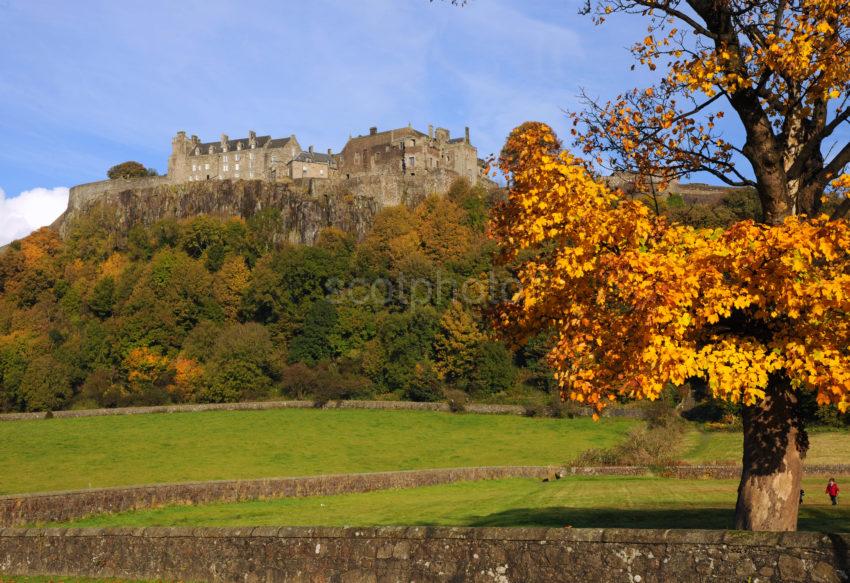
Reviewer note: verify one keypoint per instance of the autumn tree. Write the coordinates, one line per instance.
(760, 311)
(456, 343)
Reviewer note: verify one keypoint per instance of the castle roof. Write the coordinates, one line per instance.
(262, 141)
(316, 157)
(406, 131)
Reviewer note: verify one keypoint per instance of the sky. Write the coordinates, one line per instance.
(88, 84)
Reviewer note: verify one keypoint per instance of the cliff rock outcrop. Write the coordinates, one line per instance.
(306, 206)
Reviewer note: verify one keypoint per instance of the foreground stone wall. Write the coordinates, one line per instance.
(356, 555)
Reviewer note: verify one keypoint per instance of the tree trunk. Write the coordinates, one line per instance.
(775, 444)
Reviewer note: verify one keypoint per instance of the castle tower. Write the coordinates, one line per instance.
(180, 148)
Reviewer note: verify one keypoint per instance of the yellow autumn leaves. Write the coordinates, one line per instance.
(638, 303)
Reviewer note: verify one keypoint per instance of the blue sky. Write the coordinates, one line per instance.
(87, 84)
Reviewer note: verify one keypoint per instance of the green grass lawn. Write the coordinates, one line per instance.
(66, 454)
(825, 447)
(627, 502)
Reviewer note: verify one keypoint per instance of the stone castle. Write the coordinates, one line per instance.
(312, 190)
(403, 152)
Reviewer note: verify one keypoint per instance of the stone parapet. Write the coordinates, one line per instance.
(424, 554)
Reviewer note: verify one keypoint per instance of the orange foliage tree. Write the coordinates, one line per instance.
(759, 310)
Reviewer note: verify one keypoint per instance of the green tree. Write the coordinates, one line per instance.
(102, 299)
(244, 364)
(130, 169)
(45, 386)
(406, 339)
(493, 370)
(313, 342)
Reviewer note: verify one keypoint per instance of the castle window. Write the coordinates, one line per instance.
(250, 174)
(197, 151)
(193, 167)
(321, 171)
(237, 175)
(237, 167)
(251, 156)
(253, 146)
(206, 166)
(411, 161)
(224, 159)
(236, 157)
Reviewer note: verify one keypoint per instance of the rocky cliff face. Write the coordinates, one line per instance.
(306, 207)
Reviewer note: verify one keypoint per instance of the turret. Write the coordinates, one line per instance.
(224, 140)
(180, 149)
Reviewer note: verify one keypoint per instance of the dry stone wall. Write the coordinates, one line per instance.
(67, 506)
(17, 510)
(373, 555)
(267, 405)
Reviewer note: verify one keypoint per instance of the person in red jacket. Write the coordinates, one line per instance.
(832, 490)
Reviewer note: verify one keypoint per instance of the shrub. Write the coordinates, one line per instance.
(426, 385)
(235, 380)
(299, 381)
(457, 400)
(642, 447)
(323, 383)
(99, 387)
(336, 387)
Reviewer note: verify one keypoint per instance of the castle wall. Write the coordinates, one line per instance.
(307, 206)
(84, 195)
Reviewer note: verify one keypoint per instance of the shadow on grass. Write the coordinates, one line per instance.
(705, 518)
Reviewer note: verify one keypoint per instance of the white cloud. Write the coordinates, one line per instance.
(23, 214)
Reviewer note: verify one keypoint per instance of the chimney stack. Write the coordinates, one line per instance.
(430, 132)
(373, 130)
(224, 140)
(310, 149)
(467, 134)
(330, 152)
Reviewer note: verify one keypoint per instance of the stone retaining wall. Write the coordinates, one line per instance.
(372, 555)
(266, 405)
(66, 506)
